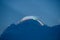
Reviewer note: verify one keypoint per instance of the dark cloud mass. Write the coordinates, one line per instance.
(31, 30)
(12, 11)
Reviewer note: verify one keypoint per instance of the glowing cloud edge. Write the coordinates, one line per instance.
(31, 17)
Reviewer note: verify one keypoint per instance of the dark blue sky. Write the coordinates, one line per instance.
(12, 11)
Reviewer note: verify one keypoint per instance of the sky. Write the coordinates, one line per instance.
(12, 11)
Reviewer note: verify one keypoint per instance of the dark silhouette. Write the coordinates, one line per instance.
(31, 30)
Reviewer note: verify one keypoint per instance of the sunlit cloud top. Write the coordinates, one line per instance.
(31, 17)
